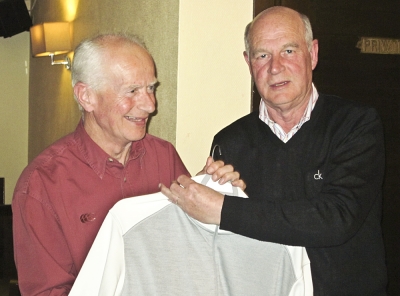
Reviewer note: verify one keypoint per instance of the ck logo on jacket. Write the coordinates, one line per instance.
(318, 176)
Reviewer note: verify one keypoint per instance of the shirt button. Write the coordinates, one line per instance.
(110, 159)
(124, 179)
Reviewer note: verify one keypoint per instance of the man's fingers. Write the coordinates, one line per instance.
(183, 181)
(223, 176)
(165, 190)
(177, 189)
(168, 193)
(209, 161)
(214, 166)
(239, 183)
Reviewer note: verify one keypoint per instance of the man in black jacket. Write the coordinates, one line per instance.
(313, 164)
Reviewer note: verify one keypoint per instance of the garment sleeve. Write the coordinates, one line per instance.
(350, 194)
(42, 258)
(103, 272)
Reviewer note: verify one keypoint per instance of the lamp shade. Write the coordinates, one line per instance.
(50, 38)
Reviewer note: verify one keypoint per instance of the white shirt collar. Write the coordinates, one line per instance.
(277, 129)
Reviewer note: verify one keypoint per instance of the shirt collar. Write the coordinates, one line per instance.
(277, 129)
(96, 157)
(263, 113)
(92, 153)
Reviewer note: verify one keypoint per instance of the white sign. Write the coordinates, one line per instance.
(379, 45)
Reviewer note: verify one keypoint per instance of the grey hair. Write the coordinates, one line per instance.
(308, 33)
(247, 37)
(89, 56)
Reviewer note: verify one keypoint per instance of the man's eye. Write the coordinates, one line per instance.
(133, 90)
(289, 51)
(263, 56)
(151, 88)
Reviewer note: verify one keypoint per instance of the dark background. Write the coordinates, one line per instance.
(14, 18)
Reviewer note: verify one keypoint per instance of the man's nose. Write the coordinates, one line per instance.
(276, 65)
(147, 102)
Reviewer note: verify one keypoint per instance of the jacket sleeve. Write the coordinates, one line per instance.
(350, 195)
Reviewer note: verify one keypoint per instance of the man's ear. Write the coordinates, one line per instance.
(247, 59)
(314, 53)
(85, 96)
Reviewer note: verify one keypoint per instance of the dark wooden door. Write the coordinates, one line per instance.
(371, 78)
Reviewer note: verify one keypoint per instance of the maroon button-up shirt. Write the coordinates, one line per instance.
(63, 196)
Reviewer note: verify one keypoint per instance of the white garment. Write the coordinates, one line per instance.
(149, 246)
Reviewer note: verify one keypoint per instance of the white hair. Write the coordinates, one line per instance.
(308, 33)
(88, 58)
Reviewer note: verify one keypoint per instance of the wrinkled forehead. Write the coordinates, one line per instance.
(127, 65)
(276, 24)
(130, 56)
(118, 51)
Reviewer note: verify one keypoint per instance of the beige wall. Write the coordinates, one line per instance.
(214, 83)
(197, 46)
(14, 61)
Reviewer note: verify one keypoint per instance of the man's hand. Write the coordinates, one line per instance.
(222, 173)
(198, 201)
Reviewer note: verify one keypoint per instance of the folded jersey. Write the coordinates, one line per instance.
(149, 246)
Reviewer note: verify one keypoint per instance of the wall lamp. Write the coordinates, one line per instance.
(50, 39)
